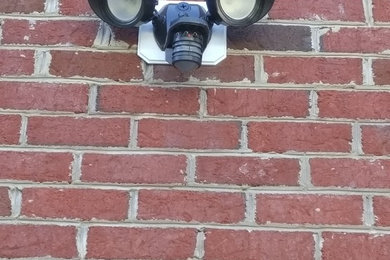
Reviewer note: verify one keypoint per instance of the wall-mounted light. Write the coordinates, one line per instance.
(183, 34)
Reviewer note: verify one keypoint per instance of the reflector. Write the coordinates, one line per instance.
(238, 12)
(124, 13)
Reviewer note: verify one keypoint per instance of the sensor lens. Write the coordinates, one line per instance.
(238, 9)
(125, 10)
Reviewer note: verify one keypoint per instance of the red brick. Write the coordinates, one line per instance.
(189, 206)
(22, 6)
(85, 204)
(350, 173)
(343, 10)
(5, 203)
(9, 129)
(78, 131)
(149, 100)
(270, 37)
(19, 241)
(381, 70)
(232, 69)
(382, 211)
(354, 105)
(115, 66)
(376, 139)
(139, 243)
(360, 40)
(250, 171)
(188, 134)
(265, 103)
(355, 246)
(263, 245)
(313, 70)
(310, 209)
(39, 96)
(38, 167)
(381, 10)
(300, 137)
(16, 63)
(75, 7)
(81, 33)
(140, 169)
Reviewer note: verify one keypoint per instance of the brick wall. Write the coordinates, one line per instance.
(280, 152)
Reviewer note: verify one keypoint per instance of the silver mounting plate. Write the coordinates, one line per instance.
(149, 51)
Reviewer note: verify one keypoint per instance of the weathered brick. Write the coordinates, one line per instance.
(354, 105)
(5, 203)
(22, 6)
(232, 69)
(355, 246)
(149, 100)
(78, 131)
(310, 209)
(74, 7)
(308, 70)
(381, 70)
(343, 10)
(359, 40)
(265, 103)
(259, 245)
(188, 134)
(16, 63)
(140, 243)
(381, 10)
(382, 211)
(191, 206)
(85, 204)
(35, 166)
(270, 37)
(300, 137)
(140, 169)
(250, 171)
(39, 96)
(113, 65)
(82, 33)
(350, 173)
(30, 241)
(9, 129)
(376, 139)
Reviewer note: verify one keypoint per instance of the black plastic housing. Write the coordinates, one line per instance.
(145, 14)
(218, 16)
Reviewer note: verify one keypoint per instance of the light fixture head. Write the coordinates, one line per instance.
(238, 12)
(124, 13)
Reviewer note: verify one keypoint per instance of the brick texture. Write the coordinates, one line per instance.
(75, 204)
(266, 137)
(351, 173)
(308, 209)
(36, 166)
(188, 134)
(355, 246)
(78, 131)
(230, 245)
(149, 100)
(261, 103)
(137, 243)
(30, 241)
(280, 151)
(142, 169)
(5, 203)
(191, 206)
(247, 171)
(51, 97)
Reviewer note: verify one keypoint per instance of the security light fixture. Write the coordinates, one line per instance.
(184, 34)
